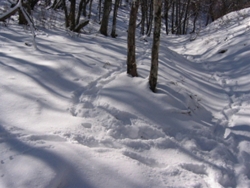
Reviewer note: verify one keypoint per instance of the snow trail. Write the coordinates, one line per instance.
(230, 72)
(72, 117)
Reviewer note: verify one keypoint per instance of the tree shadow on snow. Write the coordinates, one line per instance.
(66, 175)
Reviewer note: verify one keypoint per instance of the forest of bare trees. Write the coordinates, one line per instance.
(178, 16)
(148, 17)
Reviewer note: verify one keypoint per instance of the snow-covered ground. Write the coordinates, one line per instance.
(71, 117)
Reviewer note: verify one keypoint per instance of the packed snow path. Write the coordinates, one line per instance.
(225, 59)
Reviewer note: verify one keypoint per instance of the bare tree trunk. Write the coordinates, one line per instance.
(150, 18)
(210, 13)
(166, 10)
(65, 13)
(90, 9)
(84, 8)
(100, 9)
(156, 43)
(196, 14)
(131, 60)
(172, 18)
(32, 3)
(113, 33)
(186, 18)
(81, 25)
(79, 11)
(143, 16)
(177, 7)
(105, 17)
(72, 14)
(22, 19)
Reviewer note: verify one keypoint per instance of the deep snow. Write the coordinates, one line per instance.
(72, 117)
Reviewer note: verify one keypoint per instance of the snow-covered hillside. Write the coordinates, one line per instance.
(71, 117)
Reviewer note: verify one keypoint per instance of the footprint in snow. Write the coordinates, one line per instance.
(195, 168)
(145, 160)
(87, 125)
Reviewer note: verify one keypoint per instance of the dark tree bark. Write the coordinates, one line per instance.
(155, 47)
(100, 9)
(90, 9)
(57, 4)
(210, 14)
(185, 22)
(172, 19)
(67, 22)
(143, 16)
(131, 59)
(166, 11)
(105, 17)
(72, 14)
(177, 6)
(195, 14)
(22, 20)
(32, 3)
(79, 11)
(81, 25)
(150, 18)
(113, 33)
(84, 8)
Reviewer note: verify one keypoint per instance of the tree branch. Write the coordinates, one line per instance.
(11, 12)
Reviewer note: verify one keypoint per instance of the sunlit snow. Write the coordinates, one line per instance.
(70, 116)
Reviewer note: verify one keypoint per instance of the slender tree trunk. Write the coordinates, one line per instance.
(90, 9)
(172, 18)
(131, 60)
(177, 6)
(150, 22)
(186, 18)
(84, 9)
(113, 33)
(196, 14)
(57, 4)
(79, 11)
(22, 19)
(100, 9)
(166, 11)
(156, 43)
(210, 13)
(143, 16)
(72, 14)
(146, 13)
(194, 22)
(32, 3)
(105, 17)
(65, 13)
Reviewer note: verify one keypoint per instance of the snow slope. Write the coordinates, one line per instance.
(72, 117)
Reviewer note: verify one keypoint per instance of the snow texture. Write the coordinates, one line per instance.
(71, 117)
